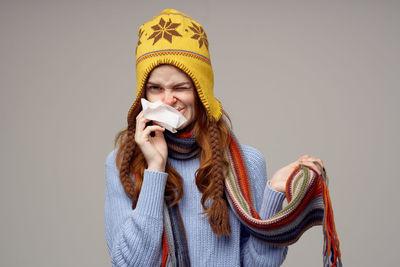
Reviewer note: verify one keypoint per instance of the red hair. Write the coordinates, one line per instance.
(211, 135)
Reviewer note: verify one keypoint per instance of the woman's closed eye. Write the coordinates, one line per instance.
(153, 87)
(158, 89)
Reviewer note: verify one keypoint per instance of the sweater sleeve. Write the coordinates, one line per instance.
(134, 236)
(255, 252)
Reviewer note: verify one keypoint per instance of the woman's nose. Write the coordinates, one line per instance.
(169, 98)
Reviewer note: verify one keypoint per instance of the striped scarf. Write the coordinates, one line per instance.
(306, 192)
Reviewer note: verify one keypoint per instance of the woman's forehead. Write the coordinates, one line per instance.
(168, 74)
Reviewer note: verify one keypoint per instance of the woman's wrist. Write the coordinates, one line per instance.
(277, 186)
(160, 167)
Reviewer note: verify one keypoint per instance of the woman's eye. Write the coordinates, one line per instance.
(152, 87)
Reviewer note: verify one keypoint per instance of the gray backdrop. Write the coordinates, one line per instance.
(296, 77)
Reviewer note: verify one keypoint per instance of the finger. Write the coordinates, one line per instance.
(313, 166)
(140, 115)
(320, 165)
(153, 128)
(295, 163)
(304, 157)
(309, 160)
(141, 122)
(160, 133)
(317, 161)
(299, 160)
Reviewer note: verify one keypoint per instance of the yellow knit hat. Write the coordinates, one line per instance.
(174, 38)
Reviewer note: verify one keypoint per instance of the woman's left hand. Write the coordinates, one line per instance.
(279, 179)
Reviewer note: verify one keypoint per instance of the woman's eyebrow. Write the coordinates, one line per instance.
(178, 84)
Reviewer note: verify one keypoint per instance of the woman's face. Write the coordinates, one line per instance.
(173, 87)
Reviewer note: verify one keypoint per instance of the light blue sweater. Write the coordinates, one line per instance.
(134, 236)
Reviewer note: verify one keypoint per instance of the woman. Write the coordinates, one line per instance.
(166, 202)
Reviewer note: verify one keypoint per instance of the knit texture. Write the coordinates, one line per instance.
(308, 205)
(174, 38)
(181, 148)
(134, 238)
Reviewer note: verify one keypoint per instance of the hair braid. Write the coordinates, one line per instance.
(128, 155)
(126, 181)
(218, 216)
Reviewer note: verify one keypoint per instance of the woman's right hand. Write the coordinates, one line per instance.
(155, 148)
(279, 179)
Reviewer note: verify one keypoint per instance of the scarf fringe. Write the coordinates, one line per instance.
(332, 255)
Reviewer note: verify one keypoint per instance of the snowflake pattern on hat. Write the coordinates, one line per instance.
(139, 42)
(164, 30)
(199, 34)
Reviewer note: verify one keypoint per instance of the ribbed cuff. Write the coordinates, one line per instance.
(272, 202)
(151, 196)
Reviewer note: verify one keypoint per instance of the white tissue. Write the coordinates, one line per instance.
(166, 116)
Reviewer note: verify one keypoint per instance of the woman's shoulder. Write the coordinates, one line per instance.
(252, 156)
(257, 171)
(110, 159)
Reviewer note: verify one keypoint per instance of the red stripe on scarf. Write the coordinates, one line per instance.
(165, 249)
(242, 176)
(185, 134)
